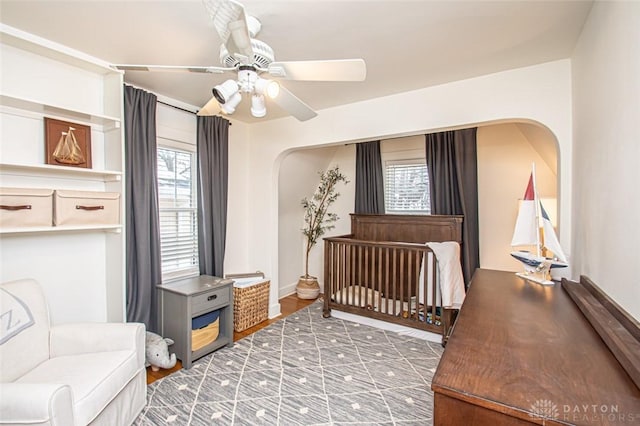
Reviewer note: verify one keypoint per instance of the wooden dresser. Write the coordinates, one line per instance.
(523, 353)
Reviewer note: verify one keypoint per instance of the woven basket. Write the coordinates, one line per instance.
(202, 337)
(250, 305)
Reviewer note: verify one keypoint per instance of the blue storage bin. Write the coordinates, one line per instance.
(204, 320)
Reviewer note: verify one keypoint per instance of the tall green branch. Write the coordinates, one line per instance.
(317, 218)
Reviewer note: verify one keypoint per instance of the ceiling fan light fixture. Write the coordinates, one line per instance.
(229, 107)
(267, 87)
(247, 78)
(258, 108)
(273, 89)
(225, 91)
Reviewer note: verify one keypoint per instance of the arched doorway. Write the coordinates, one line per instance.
(506, 151)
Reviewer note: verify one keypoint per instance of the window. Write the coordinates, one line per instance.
(406, 187)
(178, 220)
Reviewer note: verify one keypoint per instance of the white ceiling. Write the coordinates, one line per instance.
(406, 44)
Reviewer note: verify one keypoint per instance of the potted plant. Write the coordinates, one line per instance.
(318, 220)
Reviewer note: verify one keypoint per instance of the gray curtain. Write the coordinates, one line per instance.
(143, 262)
(453, 181)
(369, 180)
(213, 171)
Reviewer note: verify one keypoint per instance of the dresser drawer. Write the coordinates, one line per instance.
(209, 300)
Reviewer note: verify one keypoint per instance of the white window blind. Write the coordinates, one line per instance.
(178, 220)
(407, 187)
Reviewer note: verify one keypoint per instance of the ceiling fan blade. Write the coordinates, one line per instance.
(292, 104)
(332, 70)
(172, 68)
(210, 108)
(230, 21)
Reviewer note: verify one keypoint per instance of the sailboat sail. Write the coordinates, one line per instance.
(526, 230)
(550, 239)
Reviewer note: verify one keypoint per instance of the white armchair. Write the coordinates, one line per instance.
(69, 374)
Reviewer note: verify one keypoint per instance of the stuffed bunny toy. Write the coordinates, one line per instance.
(157, 352)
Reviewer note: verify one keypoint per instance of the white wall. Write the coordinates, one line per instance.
(174, 124)
(606, 95)
(539, 93)
(238, 240)
(402, 148)
(69, 267)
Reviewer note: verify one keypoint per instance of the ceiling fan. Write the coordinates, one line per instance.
(250, 59)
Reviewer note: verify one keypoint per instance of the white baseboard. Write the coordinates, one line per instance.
(286, 290)
(274, 310)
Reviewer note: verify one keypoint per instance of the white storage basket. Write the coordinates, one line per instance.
(25, 207)
(86, 208)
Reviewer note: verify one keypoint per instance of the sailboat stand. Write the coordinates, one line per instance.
(537, 269)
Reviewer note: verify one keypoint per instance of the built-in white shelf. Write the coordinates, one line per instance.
(60, 229)
(33, 106)
(25, 99)
(48, 170)
(50, 49)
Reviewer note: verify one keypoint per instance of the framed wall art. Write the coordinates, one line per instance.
(67, 144)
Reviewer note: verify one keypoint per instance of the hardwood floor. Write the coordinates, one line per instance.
(288, 305)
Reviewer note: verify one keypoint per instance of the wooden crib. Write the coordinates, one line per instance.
(378, 271)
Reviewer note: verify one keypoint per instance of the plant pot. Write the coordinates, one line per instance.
(308, 287)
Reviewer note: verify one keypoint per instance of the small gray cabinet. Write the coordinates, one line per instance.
(183, 300)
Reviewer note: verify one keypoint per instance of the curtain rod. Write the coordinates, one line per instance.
(181, 109)
(176, 107)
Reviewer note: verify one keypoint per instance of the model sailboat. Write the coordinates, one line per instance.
(67, 150)
(529, 231)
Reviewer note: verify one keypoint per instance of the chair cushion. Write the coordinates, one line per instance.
(95, 378)
(22, 348)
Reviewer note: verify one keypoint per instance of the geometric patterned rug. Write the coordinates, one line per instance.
(303, 370)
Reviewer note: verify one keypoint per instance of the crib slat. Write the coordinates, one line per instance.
(403, 255)
(425, 284)
(395, 279)
(357, 271)
(336, 266)
(386, 280)
(364, 271)
(340, 255)
(379, 288)
(343, 267)
(434, 290)
(371, 283)
(416, 289)
(348, 271)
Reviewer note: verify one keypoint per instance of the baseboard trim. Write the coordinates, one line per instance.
(287, 290)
